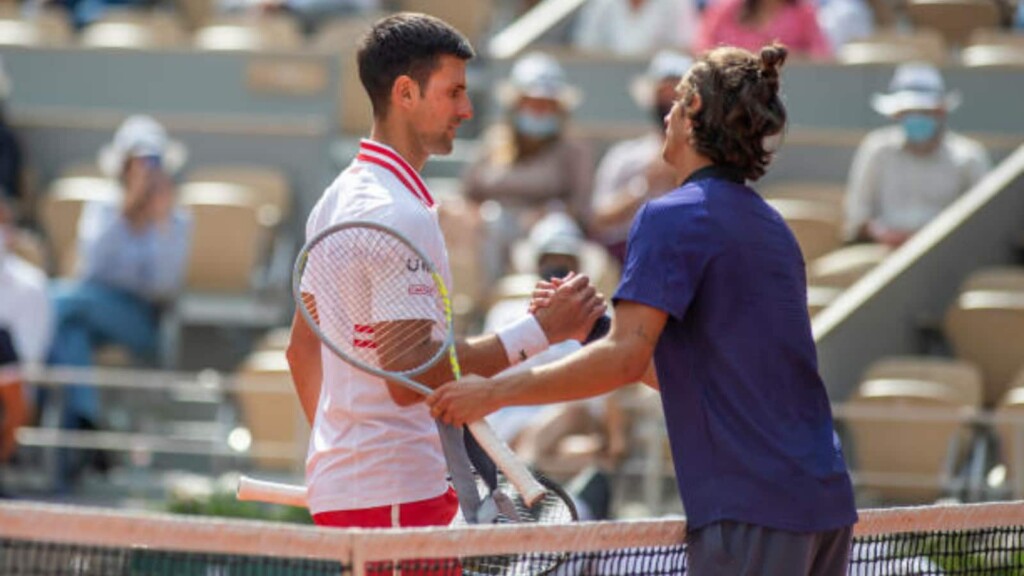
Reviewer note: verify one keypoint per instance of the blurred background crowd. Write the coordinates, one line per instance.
(158, 159)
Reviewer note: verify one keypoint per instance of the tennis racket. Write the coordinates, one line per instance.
(380, 304)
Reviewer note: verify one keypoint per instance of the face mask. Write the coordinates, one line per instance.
(537, 125)
(661, 109)
(557, 271)
(920, 128)
(4, 238)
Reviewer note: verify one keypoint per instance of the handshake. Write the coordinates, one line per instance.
(570, 308)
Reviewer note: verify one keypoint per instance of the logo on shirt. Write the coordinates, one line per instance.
(420, 289)
(414, 265)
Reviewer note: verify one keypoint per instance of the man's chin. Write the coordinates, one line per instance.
(442, 147)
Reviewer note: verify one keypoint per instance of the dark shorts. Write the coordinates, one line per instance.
(736, 549)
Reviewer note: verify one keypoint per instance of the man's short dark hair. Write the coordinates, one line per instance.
(407, 44)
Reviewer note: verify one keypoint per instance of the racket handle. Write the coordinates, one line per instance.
(251, 489)
(516, 472)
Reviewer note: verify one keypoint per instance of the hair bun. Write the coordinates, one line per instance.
(773, 57)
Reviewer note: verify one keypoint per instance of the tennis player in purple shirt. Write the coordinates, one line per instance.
(714, 292)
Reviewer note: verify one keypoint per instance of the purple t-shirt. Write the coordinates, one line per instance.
(747, 413)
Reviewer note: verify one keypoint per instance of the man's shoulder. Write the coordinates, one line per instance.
(965, 146)
(884, 138)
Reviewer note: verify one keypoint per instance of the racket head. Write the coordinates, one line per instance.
(556, 507)
(373, 298)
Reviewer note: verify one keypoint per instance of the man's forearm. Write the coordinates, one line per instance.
(596, 369)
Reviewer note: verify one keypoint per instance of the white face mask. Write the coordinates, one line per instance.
(5, 237)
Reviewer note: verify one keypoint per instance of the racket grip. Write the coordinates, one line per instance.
(516, 472)
(251, 489)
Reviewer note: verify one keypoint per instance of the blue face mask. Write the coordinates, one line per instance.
(537, 125)
(920, 128)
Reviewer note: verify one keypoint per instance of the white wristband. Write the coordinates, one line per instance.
(522, 339)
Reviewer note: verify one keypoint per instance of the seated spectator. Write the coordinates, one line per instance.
(844, 21)
(636, 27)
(85, 12)
(633, 171)
(310, 13)
(25, 326)
(751, 24)
(904, 175)
(132, 259)
(529, 164)
(10, 149)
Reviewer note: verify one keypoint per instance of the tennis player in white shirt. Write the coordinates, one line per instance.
(374, 458)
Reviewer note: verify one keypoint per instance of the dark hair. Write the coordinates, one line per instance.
(740, 106)
(407, 44)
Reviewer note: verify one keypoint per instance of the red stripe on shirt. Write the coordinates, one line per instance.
(421, 186)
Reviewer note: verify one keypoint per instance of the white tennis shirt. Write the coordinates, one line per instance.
(366, 451)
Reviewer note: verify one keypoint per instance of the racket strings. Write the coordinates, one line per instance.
(374, 299)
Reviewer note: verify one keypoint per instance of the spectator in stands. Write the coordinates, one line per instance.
(636, 27)
(25, 326)
(530, 165)
(843, 21)
(85, 12)
(750, 24)
(904, 175)
(310, 13)
(633, 171)
(132, 260)
(10, 149)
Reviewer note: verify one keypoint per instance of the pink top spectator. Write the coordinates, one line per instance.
(795, 25)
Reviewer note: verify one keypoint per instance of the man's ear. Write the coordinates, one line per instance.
(404, 92)
(695, 103)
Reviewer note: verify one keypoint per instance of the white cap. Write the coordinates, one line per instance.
(538, 75)
(665, 65)
(915, 86)
(141, 136)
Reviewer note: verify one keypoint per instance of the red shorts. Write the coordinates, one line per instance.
(437, 511)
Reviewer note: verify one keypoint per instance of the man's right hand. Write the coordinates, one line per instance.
(569, 309)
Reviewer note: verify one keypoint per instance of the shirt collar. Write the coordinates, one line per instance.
(386, 157)
(717, 172)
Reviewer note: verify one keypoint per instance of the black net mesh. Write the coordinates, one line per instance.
(25, 558)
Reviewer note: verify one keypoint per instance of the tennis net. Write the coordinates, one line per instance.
(51, 540)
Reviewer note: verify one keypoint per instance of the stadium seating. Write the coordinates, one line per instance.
(986, 326)
(906, 422)
(954, 19)
(892, 47)
(47, 28)
(271, 411)
(60, 209)
(219, 262)
(841, 268)
(134, 29)
(1009, 427)
(816, 225)
(989, 48)
(267, 186)
(249, 34)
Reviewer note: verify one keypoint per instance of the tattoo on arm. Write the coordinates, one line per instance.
(644, 333)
